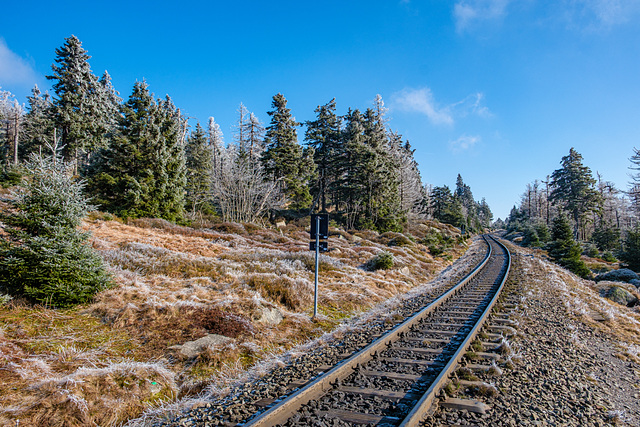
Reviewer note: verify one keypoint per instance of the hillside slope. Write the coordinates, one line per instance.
(247, 288)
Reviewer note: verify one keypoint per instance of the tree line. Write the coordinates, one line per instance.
(139, 157)
(572, 205)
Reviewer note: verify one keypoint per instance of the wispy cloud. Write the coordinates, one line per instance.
(422, 101)
(469, 12)
(601, 13)
(14, 69)
(464, 143)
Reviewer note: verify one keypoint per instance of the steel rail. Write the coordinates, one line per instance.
(420, 409)
(282, 411)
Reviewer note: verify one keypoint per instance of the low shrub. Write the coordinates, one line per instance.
(382, 261)
(621, 275)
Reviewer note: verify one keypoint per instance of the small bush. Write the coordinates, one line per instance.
(608, 256)
(590, 250)
(382, 261)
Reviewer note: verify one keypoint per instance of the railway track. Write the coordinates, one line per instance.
(394, 380)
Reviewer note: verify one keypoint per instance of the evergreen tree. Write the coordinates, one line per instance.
(574, 188)
(445, 207)
(630, 253)
(142, 172)
(199, 162)
(216, 142)
(43, 255)
(78, 102)
(38, 126)
(323, 135)
(564, 250)
(284, 159)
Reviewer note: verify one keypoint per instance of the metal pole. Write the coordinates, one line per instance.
(315, 288)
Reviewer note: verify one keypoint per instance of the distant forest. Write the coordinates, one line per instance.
(572, 205)
(140, 157)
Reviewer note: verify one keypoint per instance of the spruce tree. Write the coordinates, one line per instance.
(37, 129)
(574, 188)
(630, 253)
(142, 172)
(199, 163)
(564, 250)
(43, 255)
(78, 102)
(284, 159)
(323, 134)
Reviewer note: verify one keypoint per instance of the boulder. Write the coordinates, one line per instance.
(191, 349)
(621, 275)
(270, 316)
(621, 296)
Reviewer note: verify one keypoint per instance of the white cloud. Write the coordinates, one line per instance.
(14, 69)
(422, 101)
(464, 143)
(467, 13)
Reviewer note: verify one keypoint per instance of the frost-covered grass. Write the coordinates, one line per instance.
(110, 361)
(584, 299)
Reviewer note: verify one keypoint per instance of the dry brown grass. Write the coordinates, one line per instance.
(109, 361)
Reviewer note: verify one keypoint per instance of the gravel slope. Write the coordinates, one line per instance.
(568, 372)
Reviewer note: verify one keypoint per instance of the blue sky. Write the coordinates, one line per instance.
(496, 90)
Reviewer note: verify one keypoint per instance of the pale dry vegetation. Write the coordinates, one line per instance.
(108, 362)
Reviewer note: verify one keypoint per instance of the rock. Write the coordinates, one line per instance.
(405, 270)
(621, 296)
(621, 275)
(193, 348)
(270, 316)
(357, 238)
(281, 224)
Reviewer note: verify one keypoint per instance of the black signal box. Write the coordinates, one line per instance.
(323, 229)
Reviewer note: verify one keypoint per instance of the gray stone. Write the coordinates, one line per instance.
(270, 316)
(193, 348)
(621, 275)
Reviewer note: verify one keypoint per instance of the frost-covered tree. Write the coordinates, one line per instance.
(78, 102)
(38, 127)
(284, 159)
(410, 188)
(11, 118)
(142, 172)
(43, 254)
(216, 142)
(574, 189)
(200, 173)
(323, 135)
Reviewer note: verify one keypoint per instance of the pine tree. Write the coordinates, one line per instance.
(564, 250)
(43, 255)
(284, 159)
(323, 135)
(574, 188)
(199, 163)
(78, 102)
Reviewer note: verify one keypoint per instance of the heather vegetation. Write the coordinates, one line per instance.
(107, 361)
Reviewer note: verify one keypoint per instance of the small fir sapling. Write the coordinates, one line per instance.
(43, 255)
